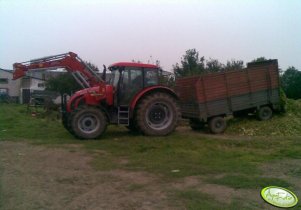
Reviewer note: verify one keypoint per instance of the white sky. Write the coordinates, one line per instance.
(105, 32)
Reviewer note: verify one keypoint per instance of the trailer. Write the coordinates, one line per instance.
(209, 98)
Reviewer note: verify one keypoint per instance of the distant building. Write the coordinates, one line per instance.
(34, 84)
(8, 86)
(21, 90)
(28, 85)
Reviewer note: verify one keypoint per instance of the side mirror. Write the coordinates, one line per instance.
(104, 72)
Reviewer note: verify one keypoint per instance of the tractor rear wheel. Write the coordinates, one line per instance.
(158, 114)
(217, 125)
(88, 122)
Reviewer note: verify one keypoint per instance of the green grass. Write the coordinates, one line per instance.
(238, 159)
(196, 200)
(296, 172)
(285, 124)
(17, 124)
(1, 190)
(249, 182)
(188, 152)
(135, 187)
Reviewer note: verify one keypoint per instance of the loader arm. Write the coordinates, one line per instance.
(82, 73)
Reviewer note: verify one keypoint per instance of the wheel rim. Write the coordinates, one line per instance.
(159, 116)
(88, 123)
(265, 113)
(218, 124)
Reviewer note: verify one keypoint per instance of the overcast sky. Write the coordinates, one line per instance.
(105, 32)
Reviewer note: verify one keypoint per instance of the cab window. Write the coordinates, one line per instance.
(150, 77)
(132, 83)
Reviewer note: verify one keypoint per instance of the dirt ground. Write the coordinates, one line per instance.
(39, 177)
(36, 177)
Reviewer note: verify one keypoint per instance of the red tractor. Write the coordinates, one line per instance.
(132, 97)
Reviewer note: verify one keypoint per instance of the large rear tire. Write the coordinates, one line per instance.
(88, 123)
(158, 114)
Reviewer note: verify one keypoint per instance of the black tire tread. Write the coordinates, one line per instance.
(260, 113)
(140, 121)
(212, 127)
(73, 116)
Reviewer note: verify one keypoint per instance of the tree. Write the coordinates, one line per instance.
(136, 61)
(213, 65)
(234, 65)
(92, 66)
(158, 63)
(291, 83)
(191, 64)
(64, 83)
(259, 59)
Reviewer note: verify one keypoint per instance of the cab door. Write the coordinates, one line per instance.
(130, 84)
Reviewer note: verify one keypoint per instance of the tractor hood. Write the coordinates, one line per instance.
(91, 97)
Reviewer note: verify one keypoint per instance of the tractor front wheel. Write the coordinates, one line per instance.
(66, 124)
(158, 114)
(88, 122)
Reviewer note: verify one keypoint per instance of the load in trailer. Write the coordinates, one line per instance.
(209, 98)
(134, 97)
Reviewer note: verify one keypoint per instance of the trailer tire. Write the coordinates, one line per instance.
(217, 125)
(264, 113)
(196, 124)
(88, 122)
(157, 114)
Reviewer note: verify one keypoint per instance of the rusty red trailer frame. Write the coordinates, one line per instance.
(224, 93)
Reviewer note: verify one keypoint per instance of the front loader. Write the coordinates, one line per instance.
(132, 97)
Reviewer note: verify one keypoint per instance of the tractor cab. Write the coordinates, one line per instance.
(128, 79)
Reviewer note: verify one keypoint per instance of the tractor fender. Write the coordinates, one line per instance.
(90, 96)
(148, 91)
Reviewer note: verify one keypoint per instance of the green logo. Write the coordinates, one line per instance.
(279, 197)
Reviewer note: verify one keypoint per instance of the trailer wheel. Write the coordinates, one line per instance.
(158, 114)
(196, 124)
(264, 113)
(88, 123)
(217, 125)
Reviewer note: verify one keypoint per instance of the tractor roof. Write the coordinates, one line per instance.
(132, 64)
